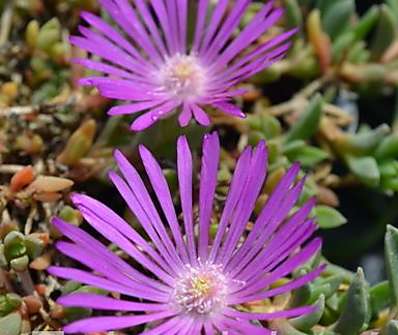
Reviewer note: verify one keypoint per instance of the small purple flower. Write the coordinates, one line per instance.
(149, 58)
(185, 281)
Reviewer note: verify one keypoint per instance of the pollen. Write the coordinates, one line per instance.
(201, 290)
(182, 77)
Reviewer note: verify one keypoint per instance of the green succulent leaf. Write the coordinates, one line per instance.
(324, 5)
(328, 217)
(3, 260)
(355, 313)
(308, 123)
(391, 258)
(301, 295)
(14, 245)
(326, 286)
(308, 156)
(366, 23)
(365, 169)
(294, 16)
(34, 246)
(49, 34)
(391, 328)
(388, 148)
(306, 322)
(20, 263)
(393, 4)
(11, 324)
(386, 32)
(333, 302)
(337, 17)
(380, 297)
(9, 302)
(363, 143)
(285, 328)
(267, 125)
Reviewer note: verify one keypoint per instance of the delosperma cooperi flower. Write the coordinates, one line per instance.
(184, 280)
(149, 59)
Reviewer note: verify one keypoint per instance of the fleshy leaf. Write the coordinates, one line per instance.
(355, 313)
(328, 217)
(306, 322)
(308, 123)
(391, 257)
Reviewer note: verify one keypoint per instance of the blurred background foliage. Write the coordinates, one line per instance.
(331, 104)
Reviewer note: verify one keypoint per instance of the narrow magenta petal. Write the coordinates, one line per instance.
(96, 301)
(161, 15)
(134, 108)
(185, 116)
(144, 121)
(103, 268)
(283, 269)
(111, 232)
(83, 239)
(214, 24)
(262, 21)
(267, 213)
(208, 183)
(138, 32)
(249, 195)
(149, 22)
(290, 286)
(182, 13)
(200, 24)
(145, 204)
(288, 313)
(149, 118)
(172, 326)
(163, 267)
(122, 89)
(107, 323)
(184, 169)
(109, 31)
(161, 188)
(106, 284)
(230, 109)
(241, 326)
(172, 16)
(277, 217)
(239, 178)
(106, 68)
(227, 28)
(200, 115)
(209, 328)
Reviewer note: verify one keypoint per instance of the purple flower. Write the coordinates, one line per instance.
(184, 281)
(149, 59)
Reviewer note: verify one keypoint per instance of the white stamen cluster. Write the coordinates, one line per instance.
(201, 290)
(182, 77)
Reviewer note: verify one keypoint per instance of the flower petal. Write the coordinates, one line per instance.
(96, 301)
(184, 170)
(208, 183)
(107, 323)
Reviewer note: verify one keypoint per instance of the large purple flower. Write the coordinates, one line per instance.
(150, 59)
(184, 281)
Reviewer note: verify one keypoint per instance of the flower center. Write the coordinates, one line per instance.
(201, 290)
(182, 77)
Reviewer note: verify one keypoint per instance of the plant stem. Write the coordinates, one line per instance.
(26, 282)
(4, 281)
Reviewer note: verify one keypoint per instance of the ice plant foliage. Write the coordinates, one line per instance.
(148, 58)
(183, 280)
